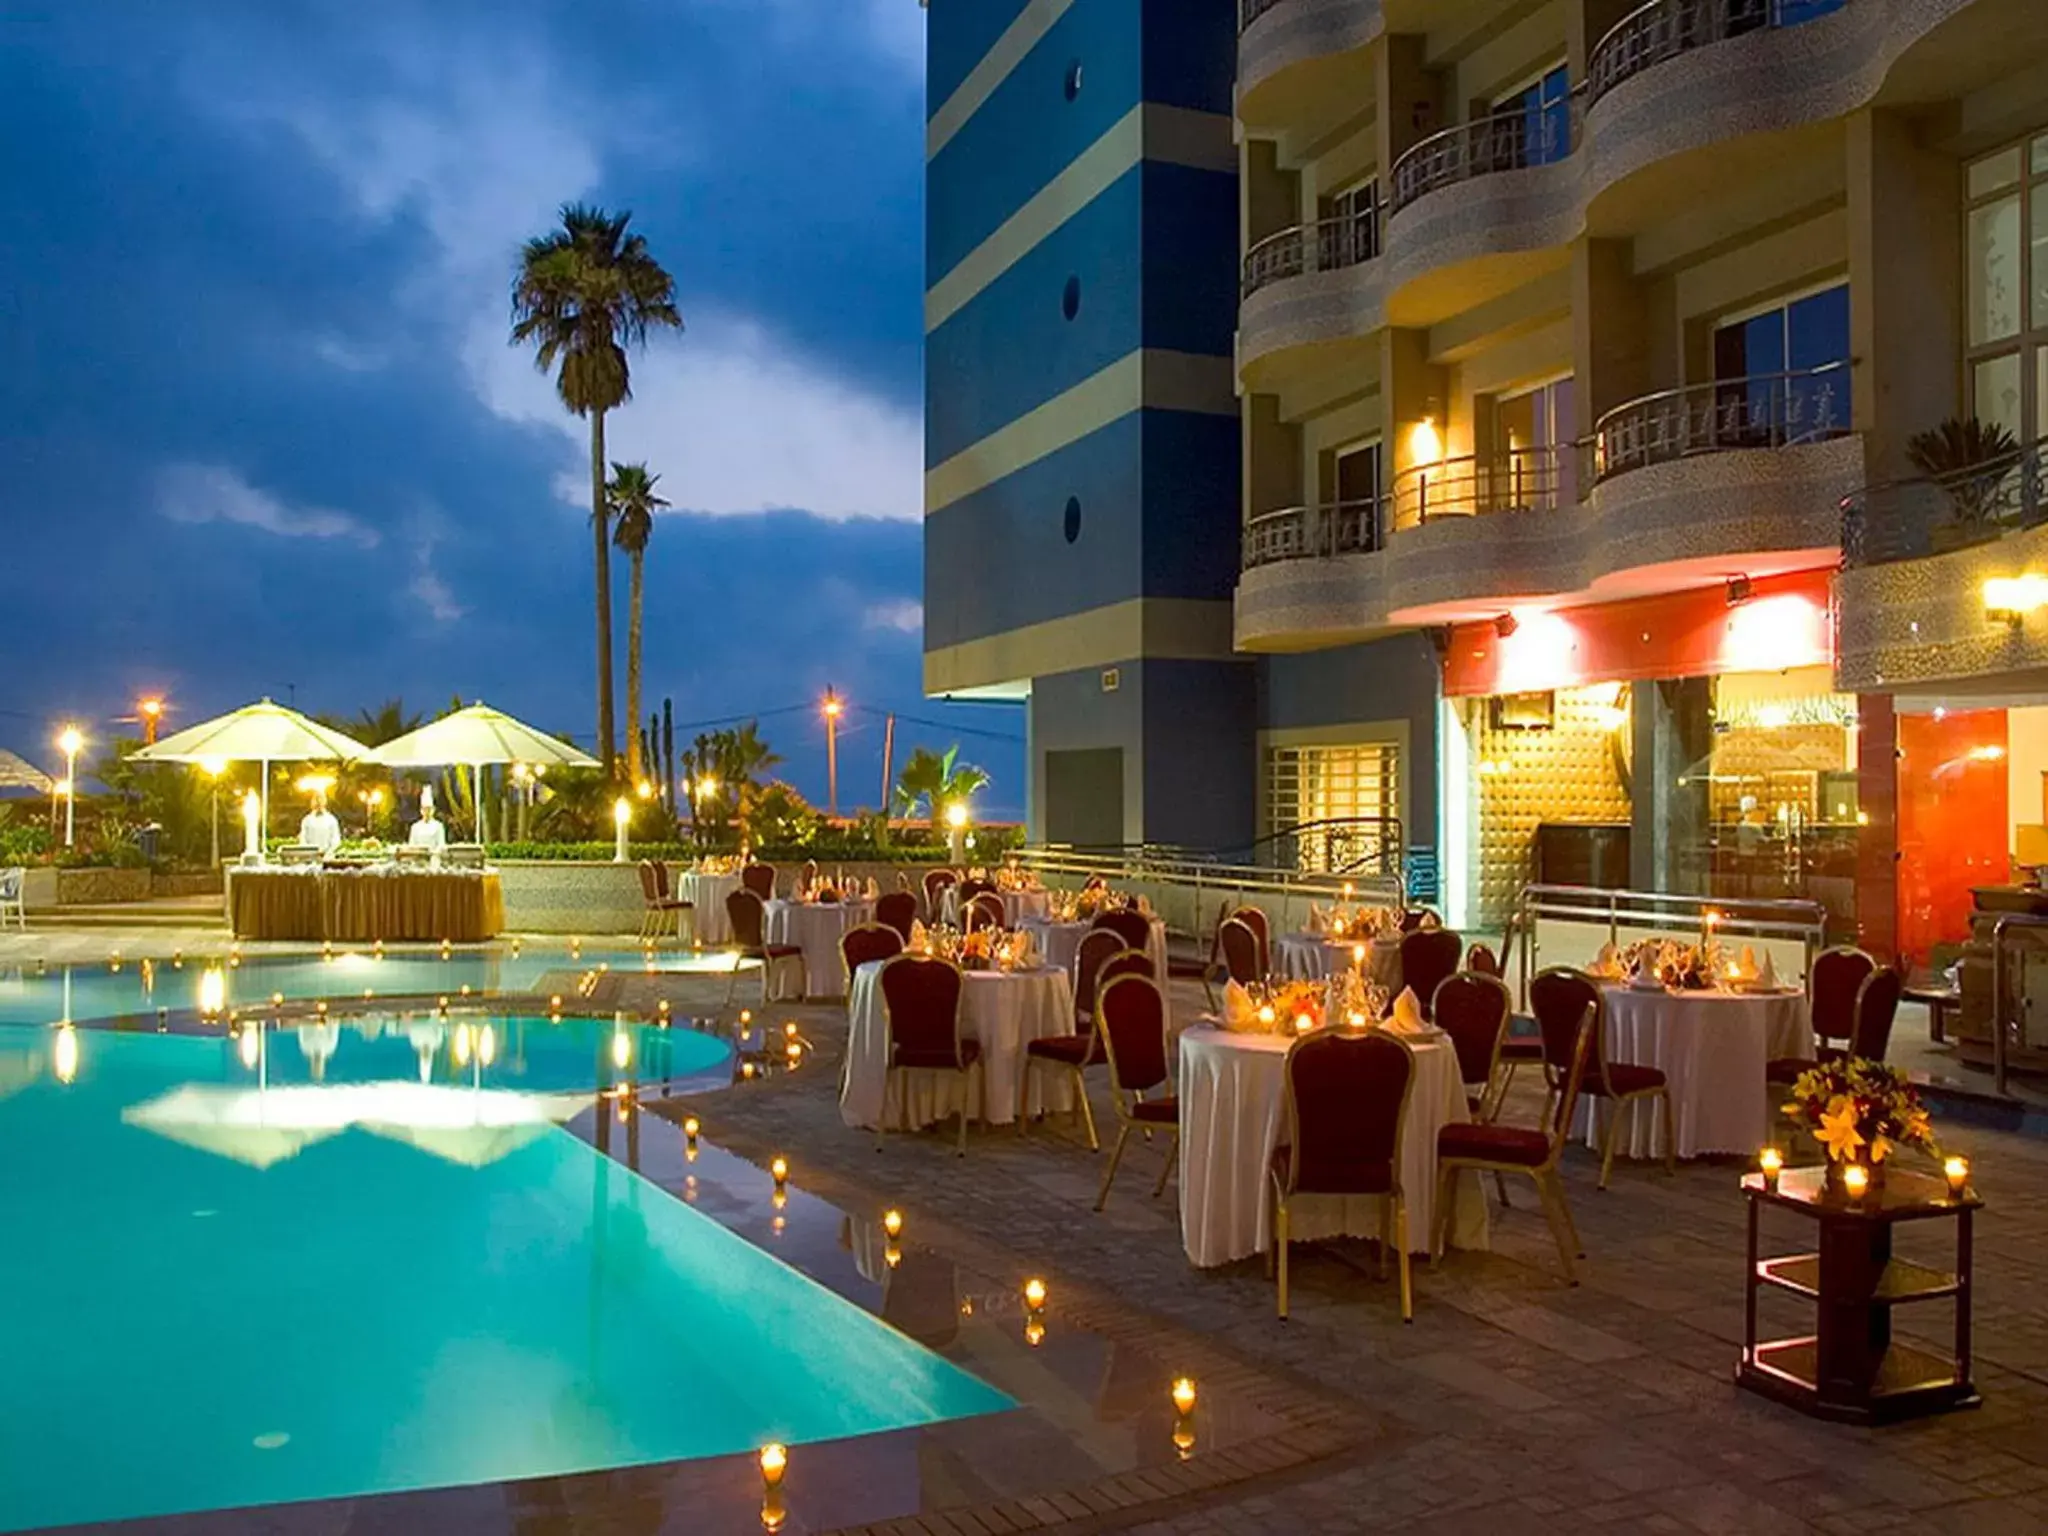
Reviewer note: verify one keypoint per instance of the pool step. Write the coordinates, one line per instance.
(176, 912)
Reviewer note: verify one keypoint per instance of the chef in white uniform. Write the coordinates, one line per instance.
(428, 832)
(318, 828)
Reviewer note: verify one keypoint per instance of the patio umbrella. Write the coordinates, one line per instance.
(20, 773)
(473, 737)
(263, 733)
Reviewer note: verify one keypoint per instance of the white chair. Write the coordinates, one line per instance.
(13, 896)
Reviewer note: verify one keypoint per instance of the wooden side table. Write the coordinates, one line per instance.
(1850, 1367)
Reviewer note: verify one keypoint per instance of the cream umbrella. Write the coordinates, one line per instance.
(262, 733)
(19, 773)
(472, 738)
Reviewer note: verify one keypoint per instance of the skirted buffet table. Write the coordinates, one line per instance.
(360, 905)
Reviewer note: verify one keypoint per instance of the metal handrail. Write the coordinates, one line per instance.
(1664, 29)
(1519, 480)
(1501, 141)
(1324, 246)
(1758, 410)
(1907, 519)
(1733, 917)
(1312, 533)
(1999, 1023)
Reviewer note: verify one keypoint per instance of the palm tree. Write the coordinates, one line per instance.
(937, 781)
(584, 294)
(633, 504)
(373, 727)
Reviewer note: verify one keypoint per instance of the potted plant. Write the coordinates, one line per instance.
(1968, 460)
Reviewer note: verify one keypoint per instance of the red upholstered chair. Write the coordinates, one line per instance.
(1082, 1049)
(760, 879)
(1428, 955)
(1482, 959)
(1346, 1097)
(936, 882)
(1833, 983)
(1130, 1019)
(1870, 1029)
(1240, 948)
(1098, 945)
(969, 889)
(748, 916)
(984, 910)
(1503, 1149)
(1474, 1010)
(1128, 924)
(1556, 997)
(1125, 962)
(1255, 919)
(897, 910)
(1417, 918)
(869, 941)
(921, 1003)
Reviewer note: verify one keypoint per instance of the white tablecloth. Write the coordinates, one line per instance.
(1311, 957)
(706, 894)
(1232, 1091)
(1003, 1010)
(816, 928)
(1712, 1047)
(1017, 906)
(1060, 943)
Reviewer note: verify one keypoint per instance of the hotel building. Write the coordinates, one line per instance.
(1579, 346)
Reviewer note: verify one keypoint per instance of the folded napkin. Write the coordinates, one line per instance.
(1767, 973)
(918, 937)
(1607, 962)
(1407, 1017)
(1317, 922)
(1240, 1013)
(874, 889)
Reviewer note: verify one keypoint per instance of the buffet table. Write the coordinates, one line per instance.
(351, 906)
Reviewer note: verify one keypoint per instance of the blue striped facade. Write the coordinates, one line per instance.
(1153, 261)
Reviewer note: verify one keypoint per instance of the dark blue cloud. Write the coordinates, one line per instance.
(265, 249)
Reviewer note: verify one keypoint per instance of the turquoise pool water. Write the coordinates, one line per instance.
(29, 996)
(224, 1286)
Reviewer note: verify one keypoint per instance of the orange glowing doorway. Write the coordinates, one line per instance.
(1952, 823)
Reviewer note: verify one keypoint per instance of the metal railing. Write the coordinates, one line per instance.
(1520, 480)
(1627, 915)
(2003, 1027)
(1926, 515)
(1309, 533)
(1325, 246)
(1762, 410)
(1665, 29)
(1509, 140)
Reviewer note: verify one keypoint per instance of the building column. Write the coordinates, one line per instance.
(1877, 841)
(1610, 329)
(1673, 735)
(1271, 198)
(1411, 98)
(1272, 458)
(1413, 392)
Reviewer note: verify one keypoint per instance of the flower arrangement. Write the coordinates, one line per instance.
(1295, 1001)
(978, 949)
(1687, 967)
(1860, 1111)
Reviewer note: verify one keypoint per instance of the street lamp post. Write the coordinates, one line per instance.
(833, 710)
(151, 712)
(69, 743)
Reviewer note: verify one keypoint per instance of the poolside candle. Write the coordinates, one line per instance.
(1957, 1171)
(774, 1462)
(1771, 1162)
(1034, 1332)
(690, 1130)
(1303, 1023)
(213, 991)
(779, 1171)
(1184, 1395)
(1034, 1294)
(892, 1223)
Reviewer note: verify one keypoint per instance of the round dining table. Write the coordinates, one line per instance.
(1018, 906)
(706, 893)
(816, 927)
(1232, 1093)
(1060, 942)
(1712, 1047)
(1004, 1010)
(1312, 956)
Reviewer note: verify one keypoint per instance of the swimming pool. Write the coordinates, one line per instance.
(411, 1296)
(29, 995)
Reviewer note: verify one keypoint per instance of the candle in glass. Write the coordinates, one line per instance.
(1856, 1180)
(1957, 1171)
(1772, 1162)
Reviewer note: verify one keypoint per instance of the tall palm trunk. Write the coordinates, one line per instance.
(633, 763)
(601, 530)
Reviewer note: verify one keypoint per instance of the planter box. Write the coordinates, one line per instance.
(39, 888)
(96, 887)
(201, 882)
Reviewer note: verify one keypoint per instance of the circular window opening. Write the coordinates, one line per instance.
(1073, 518)
(1073, 79)
(1070, 298)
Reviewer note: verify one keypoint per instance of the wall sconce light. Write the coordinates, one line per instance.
(1506, 625)
(1738, 590)
(1425, 443)
(2012, 598)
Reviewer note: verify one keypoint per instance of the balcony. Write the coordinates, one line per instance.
(1766, 410)
(1311, 284)
(1323, 247)
(1505, 141)
(1301, 533)
(1915, 601)
(1520, 480)
(1275, 38)
(1665, 29)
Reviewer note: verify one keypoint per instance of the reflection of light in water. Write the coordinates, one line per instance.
(487, 1045)
(213, 990)
(64, 1053)
(251, 1044)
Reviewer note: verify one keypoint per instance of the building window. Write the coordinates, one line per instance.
(2005, 232)
(1784, 371)
(1534, 431)
(1355, 511)
(1542, 111)
(1334, 808)
(1348, 229)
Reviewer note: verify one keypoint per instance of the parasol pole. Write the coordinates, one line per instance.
(263, 826)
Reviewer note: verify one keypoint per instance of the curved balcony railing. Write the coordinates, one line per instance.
(1505, 141)
(1763, 410)
(1307, 533)
(1932, 514)
(1249, 11)
(1664, 29)
(1519, 480)
(1319, 247)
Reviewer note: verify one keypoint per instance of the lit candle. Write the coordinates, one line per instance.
(892, 1223)
(1034, 1294)
(779, 1171)
(1358, 957)
(1957, 1171)
(774, 1462)
(1184, 1395)
(747, 1070)
(1856, 1180)
(1355, 1019)
(555, 1002)
(622, 816)
(1034, 1332)
(1266, 1015)
(1772, 1163)
(690, 1129)
(1303, 1023)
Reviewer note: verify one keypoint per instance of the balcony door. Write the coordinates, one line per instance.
(1782, 372)
(1353, 517)
(1533, 124)
(1533, 432)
